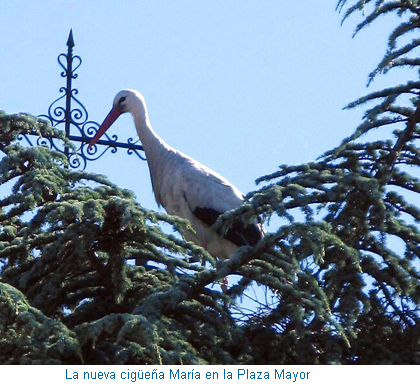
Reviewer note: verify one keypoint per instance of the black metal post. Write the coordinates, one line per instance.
(69, 77)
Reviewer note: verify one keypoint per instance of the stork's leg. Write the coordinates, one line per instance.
(224, 284)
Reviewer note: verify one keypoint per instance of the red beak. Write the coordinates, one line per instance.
(109, 120)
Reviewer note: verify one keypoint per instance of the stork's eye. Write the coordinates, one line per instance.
(122, 99)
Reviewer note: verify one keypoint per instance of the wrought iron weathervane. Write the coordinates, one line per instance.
(75, 120)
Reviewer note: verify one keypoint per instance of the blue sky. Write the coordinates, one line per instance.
(242, 86)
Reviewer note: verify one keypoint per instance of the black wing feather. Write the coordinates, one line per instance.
(238, 233)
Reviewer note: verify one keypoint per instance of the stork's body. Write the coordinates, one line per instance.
(183, 186)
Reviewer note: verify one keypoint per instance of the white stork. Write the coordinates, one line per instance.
(183, 186)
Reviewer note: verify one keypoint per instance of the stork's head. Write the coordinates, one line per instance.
(125, 101)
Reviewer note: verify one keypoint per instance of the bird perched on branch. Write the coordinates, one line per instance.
(185, 187)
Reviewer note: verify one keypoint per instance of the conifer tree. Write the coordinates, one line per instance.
(351, 265)
(89, 277)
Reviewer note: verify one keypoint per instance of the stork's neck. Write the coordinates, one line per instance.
(151, 142)
(157, 151)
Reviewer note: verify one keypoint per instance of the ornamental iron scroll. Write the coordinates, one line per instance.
(67, 110)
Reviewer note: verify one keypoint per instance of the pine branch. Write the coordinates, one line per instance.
(385, 172)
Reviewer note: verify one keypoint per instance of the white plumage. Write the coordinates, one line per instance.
(183, 186)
